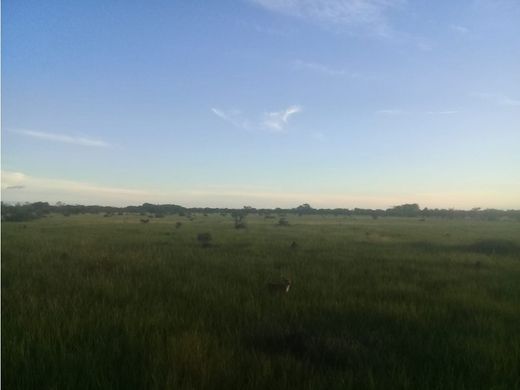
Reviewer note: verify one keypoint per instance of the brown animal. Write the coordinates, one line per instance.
(279, 287)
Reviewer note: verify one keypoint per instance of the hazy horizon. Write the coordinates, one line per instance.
(268, 103)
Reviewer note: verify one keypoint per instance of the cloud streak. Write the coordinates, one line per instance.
(235, 117)
(275, 121)
(63, 138)
(350, 13)
(460, 29)
(18, 186)
(391, 112)
(398, 112)
(321, 68)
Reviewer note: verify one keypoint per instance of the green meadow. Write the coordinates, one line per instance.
(93, 302)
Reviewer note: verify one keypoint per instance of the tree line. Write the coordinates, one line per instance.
(29, 211)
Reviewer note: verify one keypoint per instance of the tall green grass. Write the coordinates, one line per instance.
(91, 302)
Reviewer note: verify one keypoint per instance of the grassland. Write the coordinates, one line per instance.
(91, 302)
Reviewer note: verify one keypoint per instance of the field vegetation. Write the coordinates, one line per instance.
(92, 301)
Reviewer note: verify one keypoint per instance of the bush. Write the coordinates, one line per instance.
(283, 222)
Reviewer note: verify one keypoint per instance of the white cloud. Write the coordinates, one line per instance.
(273, 121)
(350, 13)
(277, 121)
(460, 29)
(30, 188)
(63, 138)
(19, 180)
(321, 68)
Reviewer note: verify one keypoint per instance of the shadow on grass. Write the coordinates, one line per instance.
(319, 350)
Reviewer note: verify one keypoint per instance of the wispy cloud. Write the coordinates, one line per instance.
(63, 138)
(275, 121)
(391, 112)
(501, 100)
(323, 69)
(277, 31)
(16, 187)
(235, 117)
(351, 13)
(459, 29)
(445, 112)
(397, 112)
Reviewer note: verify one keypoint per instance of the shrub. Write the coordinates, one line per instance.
(283, 222)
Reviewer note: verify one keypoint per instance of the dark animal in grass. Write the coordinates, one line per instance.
(294, 245)
(279, 287)
(178, 225)
(145, 220)
(204, 239)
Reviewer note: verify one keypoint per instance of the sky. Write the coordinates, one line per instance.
(268, 103)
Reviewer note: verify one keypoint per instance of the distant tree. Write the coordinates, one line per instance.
(405, 210)
(304, 209)
(239, 217)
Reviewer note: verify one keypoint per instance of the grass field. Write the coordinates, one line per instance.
(93, 302)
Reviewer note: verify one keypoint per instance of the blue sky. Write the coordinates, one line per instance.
(352, 103)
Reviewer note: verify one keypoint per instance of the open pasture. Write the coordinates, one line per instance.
(93, 302)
